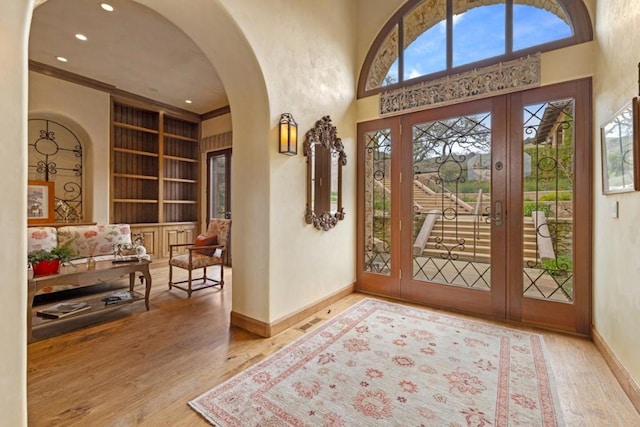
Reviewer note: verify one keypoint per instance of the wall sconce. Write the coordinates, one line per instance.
(288, 135)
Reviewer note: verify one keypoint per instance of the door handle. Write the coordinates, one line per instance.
(497, 213)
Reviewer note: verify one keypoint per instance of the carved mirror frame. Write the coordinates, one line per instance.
(321, 145)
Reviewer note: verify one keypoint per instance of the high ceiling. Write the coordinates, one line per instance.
(132, 48)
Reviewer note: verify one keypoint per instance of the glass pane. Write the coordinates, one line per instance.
(617, 151)
(452, 201)
(478, 33)
(384, 68)
(425, 39)
(533, 26)
(377, 202)
(218, 186)
(548, 200)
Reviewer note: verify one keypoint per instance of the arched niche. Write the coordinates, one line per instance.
(58, 151)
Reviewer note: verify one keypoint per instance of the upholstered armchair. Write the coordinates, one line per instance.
(208, 250)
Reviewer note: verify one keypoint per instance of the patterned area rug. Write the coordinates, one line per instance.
(380, 363)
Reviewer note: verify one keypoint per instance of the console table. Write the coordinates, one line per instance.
(80, 275)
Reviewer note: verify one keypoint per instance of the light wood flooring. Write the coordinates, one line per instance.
(141, 368)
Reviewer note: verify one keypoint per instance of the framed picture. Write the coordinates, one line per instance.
(40, 202)
(620, 147)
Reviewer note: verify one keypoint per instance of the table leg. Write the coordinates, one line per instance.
(147, 284)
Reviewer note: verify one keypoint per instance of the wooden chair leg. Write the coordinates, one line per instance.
(170, 275)
(221, 275)
(189, 287)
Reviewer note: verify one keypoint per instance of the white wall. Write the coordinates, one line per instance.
(13, 223)
(617, 241)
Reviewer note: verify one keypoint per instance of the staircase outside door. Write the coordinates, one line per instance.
(472, 207)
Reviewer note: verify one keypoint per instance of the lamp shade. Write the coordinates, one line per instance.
(288, 135)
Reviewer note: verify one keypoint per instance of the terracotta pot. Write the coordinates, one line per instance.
(44, 268)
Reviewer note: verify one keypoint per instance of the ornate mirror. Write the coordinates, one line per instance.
(325, 158)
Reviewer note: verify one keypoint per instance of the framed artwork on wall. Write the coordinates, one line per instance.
(40, 202)
(620, 147)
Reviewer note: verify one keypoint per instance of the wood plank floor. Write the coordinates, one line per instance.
(141, 368)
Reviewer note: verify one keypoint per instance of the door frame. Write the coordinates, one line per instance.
(226, 152)
(511, 303)
(210, 154)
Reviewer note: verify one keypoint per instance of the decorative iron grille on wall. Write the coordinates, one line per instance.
(55, 154)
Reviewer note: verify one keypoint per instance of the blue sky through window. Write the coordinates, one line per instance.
(478, 34)
(533, 26)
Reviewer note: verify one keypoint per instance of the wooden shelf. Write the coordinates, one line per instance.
(95, 301)
(136, 152)
(180, 202)
(126, 175)
(185, 181)
(134, 127)
(181, 159)
(134, 201)
(184, 138)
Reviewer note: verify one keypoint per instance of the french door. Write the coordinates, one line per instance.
(219, 184)
(219, 189)
(482, 207)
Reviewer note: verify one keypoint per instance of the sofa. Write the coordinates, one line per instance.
(107, 241)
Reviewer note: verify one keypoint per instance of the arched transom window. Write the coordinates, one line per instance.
(427, 39)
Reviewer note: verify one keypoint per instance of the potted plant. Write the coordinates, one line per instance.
(46, 262)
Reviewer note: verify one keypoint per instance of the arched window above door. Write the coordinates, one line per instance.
(427, 39)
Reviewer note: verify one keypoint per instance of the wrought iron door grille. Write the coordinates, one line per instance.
(548, 199)
(377, 195)
(451, 191)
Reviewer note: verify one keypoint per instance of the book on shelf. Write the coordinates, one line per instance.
(62, 310)
(120, 296)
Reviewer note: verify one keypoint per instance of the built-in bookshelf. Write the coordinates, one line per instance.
(180, 175)
(154, 166)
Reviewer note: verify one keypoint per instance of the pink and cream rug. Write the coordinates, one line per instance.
(380, 363)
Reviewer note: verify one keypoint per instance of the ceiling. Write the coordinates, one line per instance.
(132, 48)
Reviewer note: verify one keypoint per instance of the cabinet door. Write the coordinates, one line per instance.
(151, 239)
(177, 234)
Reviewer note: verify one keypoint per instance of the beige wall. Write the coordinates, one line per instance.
(217, 125)
(309, 73)
(617, 241)
(13, 223)
(89, 110)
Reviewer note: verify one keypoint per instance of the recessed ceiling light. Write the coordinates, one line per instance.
(107, 7)
(61, 58)
(81, 37)
(188, 101)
